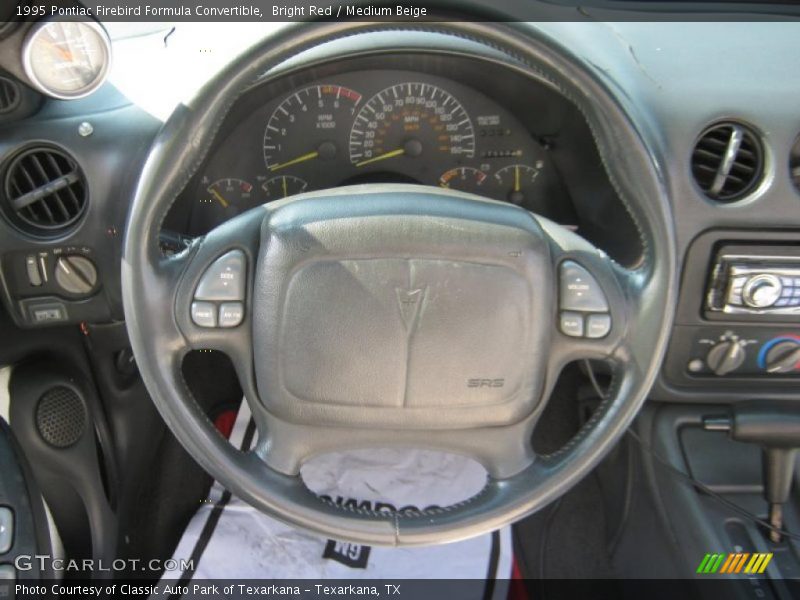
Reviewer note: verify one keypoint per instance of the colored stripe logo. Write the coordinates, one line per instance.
(735, 562)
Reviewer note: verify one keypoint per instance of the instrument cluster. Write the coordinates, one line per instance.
(374, 126)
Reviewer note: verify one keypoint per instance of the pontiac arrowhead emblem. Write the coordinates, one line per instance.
(409, 302)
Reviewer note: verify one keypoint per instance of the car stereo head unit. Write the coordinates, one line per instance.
(755, 280)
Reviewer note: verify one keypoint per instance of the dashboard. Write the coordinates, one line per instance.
(374, 126)
(414, 107)
(421, 118)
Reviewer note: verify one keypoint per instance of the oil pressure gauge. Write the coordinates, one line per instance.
(67, 59)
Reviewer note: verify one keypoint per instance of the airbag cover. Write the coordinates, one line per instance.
(416, 310)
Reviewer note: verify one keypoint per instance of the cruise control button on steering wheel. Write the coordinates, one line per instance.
(219, 299)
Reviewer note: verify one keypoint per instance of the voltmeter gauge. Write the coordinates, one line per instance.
(67, 59)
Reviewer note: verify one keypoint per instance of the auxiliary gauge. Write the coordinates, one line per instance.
(67, 59)
(465, 179)
(518, 182)
(219, 201)
(230, 195)
(282, 186)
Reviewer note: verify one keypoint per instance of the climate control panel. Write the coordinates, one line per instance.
(749, 352)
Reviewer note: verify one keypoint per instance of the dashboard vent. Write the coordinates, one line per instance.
(9, 95)
(727, 162)
(45, 191)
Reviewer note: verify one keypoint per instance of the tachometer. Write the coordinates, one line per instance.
(304, 126)
(410, 120)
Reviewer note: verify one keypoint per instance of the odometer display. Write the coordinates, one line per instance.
(410, 120)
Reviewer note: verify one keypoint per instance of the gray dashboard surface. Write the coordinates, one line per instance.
(674, 78)
(677, 78)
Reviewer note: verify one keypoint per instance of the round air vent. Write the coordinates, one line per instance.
(45, 191)
(794, 163)
(728, 162)
(9, 95)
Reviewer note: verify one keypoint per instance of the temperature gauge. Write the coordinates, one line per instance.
(228, 193)
(219, 201)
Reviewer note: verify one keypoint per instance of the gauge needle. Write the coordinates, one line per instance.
(285, 191)
(384, 156)
(516, 178)
(65, 54)
(219, 197)
(294, 161)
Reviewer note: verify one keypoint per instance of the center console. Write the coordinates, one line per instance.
(729, 415)
(737, 326)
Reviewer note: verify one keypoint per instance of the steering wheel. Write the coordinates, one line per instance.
(398, 315)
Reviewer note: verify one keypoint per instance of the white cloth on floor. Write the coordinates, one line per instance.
(247, 544)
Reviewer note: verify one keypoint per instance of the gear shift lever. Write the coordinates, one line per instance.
(776, 428)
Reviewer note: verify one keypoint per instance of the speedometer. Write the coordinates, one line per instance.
(410, 120)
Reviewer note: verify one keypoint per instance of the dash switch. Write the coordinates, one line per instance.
(32, 267)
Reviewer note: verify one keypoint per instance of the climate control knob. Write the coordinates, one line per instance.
(762, 291)
(783, 357)
(725, 357)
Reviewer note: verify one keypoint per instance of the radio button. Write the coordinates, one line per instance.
(204, 314)
(571, 324)
(598, 326)
(579, 290)
(762, 291)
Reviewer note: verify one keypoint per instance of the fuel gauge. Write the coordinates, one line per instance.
(518, 182)
(282, 186)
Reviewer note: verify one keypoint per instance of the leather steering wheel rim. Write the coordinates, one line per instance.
(151, 288)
